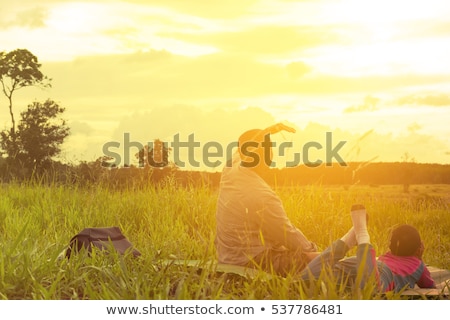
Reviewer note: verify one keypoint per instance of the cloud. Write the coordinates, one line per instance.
(80, 127)
(157, 75)
(388, 147)
(369, 104)
(266, 39)
(33, 18)
(423, 28)
(435, 100)
(297, 69)
(413, 127)
(113, 85)
(215, 124)
(224, 127)
(215, 9)
(376, 145)
(26, 13)
(184, 123)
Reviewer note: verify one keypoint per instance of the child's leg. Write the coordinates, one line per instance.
(359, 219)
(365, 254)
(358, 269)
(329, 257)
(367, 264)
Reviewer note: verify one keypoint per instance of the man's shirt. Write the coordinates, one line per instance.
(251, 219)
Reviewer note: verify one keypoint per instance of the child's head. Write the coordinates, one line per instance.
(405, 241)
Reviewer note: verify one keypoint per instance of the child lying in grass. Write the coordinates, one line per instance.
(402, 267)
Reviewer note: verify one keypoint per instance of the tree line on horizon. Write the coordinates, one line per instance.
(129, 177)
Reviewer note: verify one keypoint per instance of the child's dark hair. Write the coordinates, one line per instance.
(405, 240)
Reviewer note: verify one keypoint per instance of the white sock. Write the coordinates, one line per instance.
(359, 218)
(350, 238)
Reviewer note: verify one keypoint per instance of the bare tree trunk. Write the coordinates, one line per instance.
(13, 121)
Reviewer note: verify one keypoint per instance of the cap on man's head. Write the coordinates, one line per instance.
(253, 135)
(405, 240)
(250, 144)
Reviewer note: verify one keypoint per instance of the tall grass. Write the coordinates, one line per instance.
(37, 221)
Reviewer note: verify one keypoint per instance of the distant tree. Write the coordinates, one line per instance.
(156, 157)
(19, 69)
(408, 172)
(39, 136)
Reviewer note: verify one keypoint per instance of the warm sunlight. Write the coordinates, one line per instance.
(154, 152)
(346, 66)
(77, 18)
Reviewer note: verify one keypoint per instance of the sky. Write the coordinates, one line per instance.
(376, 74)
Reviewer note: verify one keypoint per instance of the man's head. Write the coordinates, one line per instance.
(405, 241)
(255, 149)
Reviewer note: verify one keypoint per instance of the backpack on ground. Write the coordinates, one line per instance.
(102, 238)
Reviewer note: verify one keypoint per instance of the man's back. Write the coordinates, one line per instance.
(251, 219)
(239, 214)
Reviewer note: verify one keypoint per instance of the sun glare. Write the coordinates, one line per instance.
(76, 17)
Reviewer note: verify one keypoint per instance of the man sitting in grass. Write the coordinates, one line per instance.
(253, 229)
(399, 269)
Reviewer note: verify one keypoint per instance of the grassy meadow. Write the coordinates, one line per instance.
(38, 220)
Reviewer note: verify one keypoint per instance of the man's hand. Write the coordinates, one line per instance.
(279, 127)
(311, 255)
